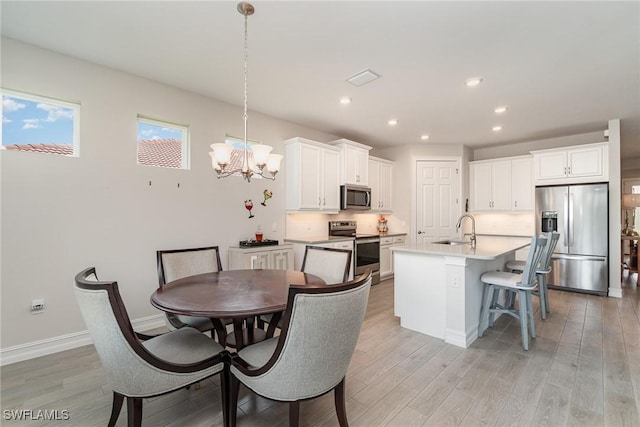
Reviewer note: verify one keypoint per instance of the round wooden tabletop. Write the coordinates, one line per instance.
(231, 294)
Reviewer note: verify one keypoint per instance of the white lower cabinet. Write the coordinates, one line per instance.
(386, 256)
(268, 257)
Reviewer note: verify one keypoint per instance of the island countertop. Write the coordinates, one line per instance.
(486, 248)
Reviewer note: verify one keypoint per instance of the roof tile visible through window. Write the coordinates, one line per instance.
(160, 152)
(64, 149)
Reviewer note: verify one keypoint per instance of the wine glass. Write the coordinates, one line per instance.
(267, 195)
(248, 204)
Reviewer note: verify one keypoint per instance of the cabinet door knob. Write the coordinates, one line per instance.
(419, 232)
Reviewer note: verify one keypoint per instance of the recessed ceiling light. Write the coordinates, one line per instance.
(474, 81)
(392, 122)
(345, 100)
(501, 109)
(424, 137)
(496, 128)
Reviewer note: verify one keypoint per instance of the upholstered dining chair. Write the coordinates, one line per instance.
(138, 366)
(330, 264)
(517, 266)
(178, 263)
(311, 355)
(523, 284)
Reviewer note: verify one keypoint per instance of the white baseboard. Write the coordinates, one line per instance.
(461, 340)
(615, 292)
(60, 343)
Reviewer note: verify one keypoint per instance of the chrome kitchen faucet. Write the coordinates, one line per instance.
(473, 227)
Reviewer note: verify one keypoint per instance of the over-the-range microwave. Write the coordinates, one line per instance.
(355, 197)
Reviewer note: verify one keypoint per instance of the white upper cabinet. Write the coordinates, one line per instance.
(503, 184)
(568, 165)
(522, 188)
(380, 181)
(491, 185)
(312, 176)
(354, 162)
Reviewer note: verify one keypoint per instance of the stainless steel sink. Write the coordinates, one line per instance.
(452, 242)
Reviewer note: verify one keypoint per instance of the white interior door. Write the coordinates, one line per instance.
(437, 200)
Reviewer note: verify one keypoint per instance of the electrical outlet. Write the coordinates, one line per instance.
(37, 306)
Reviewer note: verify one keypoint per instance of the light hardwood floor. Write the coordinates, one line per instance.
(582, 370)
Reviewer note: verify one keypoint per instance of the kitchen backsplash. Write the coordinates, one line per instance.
(306, 225)
(511, 224)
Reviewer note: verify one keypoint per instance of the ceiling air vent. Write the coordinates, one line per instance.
(363, 77)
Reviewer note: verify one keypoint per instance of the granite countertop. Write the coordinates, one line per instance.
(310, 240)
(487, 248)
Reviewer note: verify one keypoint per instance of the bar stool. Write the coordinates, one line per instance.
(543, 269)
(523, 284)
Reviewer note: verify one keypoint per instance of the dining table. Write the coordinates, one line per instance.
(240, 295)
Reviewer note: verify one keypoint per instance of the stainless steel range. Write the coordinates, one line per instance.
(367, 247)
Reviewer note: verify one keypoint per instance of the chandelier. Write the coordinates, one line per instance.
(262, 163)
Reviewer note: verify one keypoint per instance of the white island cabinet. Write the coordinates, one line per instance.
(437, 287)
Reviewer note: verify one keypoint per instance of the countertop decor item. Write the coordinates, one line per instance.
(382, 225)
(259, 159)
(255, 243)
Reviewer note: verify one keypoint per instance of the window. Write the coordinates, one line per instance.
(162, 144)
(39, 124)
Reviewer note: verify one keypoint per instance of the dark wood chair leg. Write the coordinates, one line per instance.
(224, 385)
(232, 408)
(116, 407)
(341, 405)
(134, 411)
(294, 414)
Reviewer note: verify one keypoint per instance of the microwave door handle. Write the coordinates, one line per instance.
(368, 198)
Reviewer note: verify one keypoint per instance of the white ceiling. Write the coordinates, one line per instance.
(562, 67)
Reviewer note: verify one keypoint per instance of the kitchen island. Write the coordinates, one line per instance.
(437, 287)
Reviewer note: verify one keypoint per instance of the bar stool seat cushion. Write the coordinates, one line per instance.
(505, 279)
(515, 265)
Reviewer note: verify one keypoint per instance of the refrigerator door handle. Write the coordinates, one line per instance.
(580, 257)
(566, 220)
(570, 230)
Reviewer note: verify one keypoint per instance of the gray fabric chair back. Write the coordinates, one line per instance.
(176, 264)
(331, 265)
(108, 323)
(320, 332)
(533, 261)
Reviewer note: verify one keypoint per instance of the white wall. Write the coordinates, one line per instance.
(60, 214)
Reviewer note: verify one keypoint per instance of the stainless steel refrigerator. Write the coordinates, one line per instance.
(580, 261)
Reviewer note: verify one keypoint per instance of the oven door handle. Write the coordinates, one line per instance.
(366, 240)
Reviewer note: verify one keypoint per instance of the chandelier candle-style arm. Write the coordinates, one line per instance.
(221, 153)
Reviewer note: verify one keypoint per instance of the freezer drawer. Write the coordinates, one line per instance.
(579, 273)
